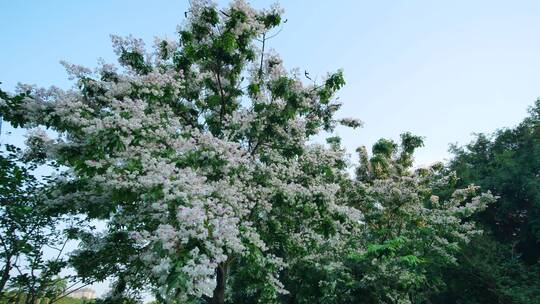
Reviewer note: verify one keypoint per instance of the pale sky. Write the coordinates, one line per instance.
(440, 69)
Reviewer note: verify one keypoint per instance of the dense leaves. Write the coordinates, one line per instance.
(31, 241)
(503, 263)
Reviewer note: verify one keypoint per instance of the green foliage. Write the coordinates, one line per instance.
(12, 108)
(28, 225)
(63, 300)
(408, 236)
(508, 164)
(135, 61)
(503, 266)
(489, 272)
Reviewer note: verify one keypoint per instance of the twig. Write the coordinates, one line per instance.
(262, 56)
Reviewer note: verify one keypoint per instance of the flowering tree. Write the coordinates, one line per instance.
(196, 154)
(503, 263)
(413, 224)
(416, 222)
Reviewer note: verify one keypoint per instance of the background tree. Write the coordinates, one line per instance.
(503, 264)
(507, 163)
(413, 224)
(411, 232)
(32, 239)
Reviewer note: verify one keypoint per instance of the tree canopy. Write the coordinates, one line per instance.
(503, 263)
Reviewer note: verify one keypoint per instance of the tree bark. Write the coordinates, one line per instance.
(292, 299)
(5, 274)
(221, 282)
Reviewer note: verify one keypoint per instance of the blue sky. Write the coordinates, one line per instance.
(440, 69)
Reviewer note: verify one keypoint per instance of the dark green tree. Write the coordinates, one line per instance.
(502, 265)
(32, 235)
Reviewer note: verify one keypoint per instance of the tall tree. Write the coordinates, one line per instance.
(503, 265)
(412, 231)
(507, 163)
(413, 224)
(196, 155)
(32, 238)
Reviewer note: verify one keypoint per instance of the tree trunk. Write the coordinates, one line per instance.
(292, 299)
(5, 274)
(31, 298)
(221, 280)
